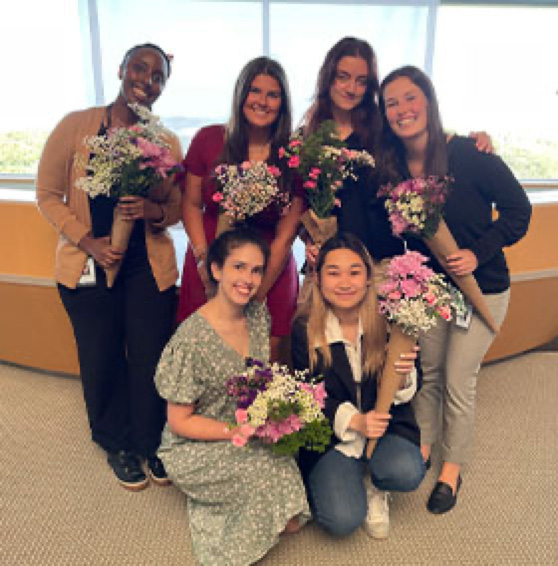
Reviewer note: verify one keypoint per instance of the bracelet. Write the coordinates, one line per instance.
(200, 258)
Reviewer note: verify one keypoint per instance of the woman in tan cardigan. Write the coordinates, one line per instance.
(120, 331)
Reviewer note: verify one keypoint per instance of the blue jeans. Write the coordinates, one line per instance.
(336, 484)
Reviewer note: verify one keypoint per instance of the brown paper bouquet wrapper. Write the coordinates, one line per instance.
(119, 238)
(443, 244)
(399, 343)
(224, 223)
(320, 230)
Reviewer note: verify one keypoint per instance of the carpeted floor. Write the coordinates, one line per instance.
(59, 504)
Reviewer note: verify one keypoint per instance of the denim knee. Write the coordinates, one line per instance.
(341, 521)
(397, 464)
(405, 474)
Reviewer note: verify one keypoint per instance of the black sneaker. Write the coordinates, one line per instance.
(127, 469)
(156, 471)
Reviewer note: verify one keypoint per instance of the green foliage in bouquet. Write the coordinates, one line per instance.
(323, 161)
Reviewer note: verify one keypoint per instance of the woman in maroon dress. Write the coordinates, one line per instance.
(260, 123)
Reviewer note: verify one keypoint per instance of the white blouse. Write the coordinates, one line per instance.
(352, 442)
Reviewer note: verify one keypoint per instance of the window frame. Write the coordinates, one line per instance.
(90, 20)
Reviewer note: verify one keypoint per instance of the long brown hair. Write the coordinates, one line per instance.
(373, 325)
(365, 118)
(393, 154)
(235, 149)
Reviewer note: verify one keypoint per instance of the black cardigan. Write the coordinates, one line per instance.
(481, 180)
(341, 387)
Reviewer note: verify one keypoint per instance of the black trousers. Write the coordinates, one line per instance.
(120, 334)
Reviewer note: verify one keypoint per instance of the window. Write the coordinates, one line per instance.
(210, 41)
(486, 62)
(302, 32)
(494, 71)
(43, 77)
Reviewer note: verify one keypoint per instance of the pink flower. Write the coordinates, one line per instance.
(445, 312)
(275, 171)
(394, 296)
(245, 165)
(241, 415)
(410, 287)
(149, 149)
(294, 143)
(217, 197)
(398, 225)
(314, 173)
(272, 431)
(430, 298)
(309, 184)
(319, 392)
(293, 424)
(337, 203)
(281, 152)
(239, 440)
(294, 162)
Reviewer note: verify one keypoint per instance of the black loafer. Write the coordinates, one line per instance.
(442, 499)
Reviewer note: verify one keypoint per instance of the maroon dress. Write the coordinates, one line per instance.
(201, 160)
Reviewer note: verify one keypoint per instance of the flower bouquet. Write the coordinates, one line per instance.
(279, 408)
(127, 161)
(412, 298)
(415, 206)
(323, 163)
(246, 189)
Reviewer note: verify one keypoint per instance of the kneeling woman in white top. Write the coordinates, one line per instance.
(342, 338)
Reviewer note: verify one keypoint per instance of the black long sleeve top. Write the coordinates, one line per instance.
(481, 181)
(362, 212)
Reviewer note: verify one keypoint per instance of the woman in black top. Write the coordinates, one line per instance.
(347, 92)
(416, 145)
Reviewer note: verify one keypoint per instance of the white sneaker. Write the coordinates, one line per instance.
(376, 523)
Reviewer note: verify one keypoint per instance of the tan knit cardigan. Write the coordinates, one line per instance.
(67, 207)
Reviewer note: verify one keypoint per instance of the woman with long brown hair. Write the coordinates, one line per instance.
(347, 92)
(415, 145)
(259, 125)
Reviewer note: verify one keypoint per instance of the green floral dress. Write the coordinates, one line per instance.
(239, 499)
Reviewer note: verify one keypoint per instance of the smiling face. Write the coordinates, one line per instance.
(241, 274)
(344, 280)
(350, 83)
(263, 103)
(406, 108)
(143, 74)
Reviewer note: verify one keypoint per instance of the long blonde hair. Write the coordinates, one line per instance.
(316, 310)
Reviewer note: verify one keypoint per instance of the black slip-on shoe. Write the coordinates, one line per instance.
(442, 498)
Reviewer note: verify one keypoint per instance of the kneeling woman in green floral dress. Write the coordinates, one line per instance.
(239, 499)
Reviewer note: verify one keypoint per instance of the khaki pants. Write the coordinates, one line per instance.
(451, 359)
